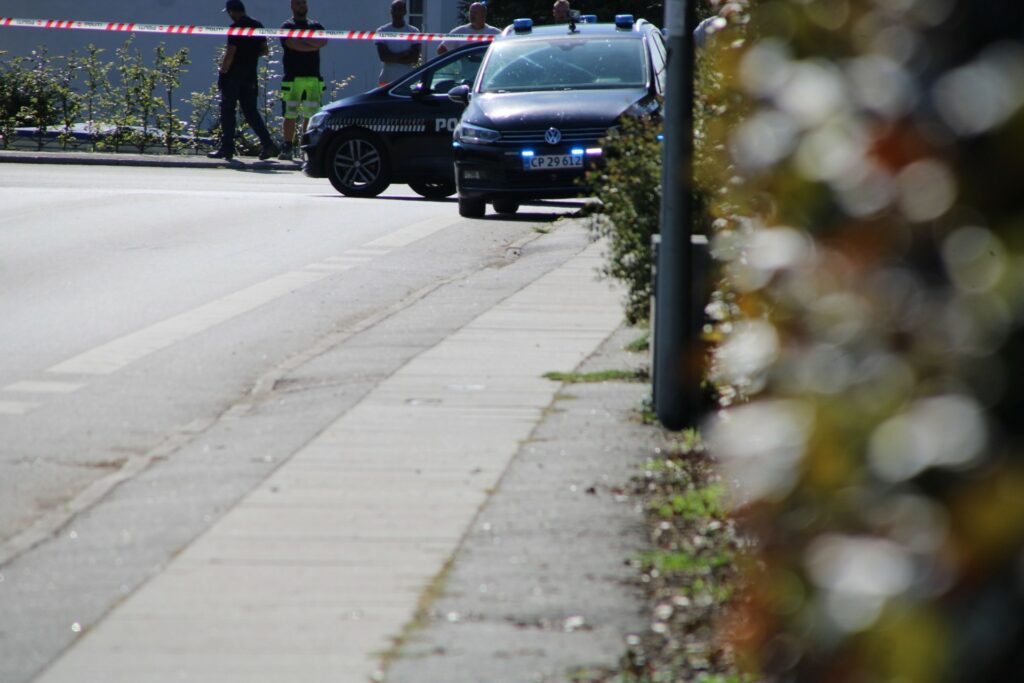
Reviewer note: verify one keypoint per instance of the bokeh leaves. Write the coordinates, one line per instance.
(871, 246)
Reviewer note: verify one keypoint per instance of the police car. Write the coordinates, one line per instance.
(398, 133)
(543, 99)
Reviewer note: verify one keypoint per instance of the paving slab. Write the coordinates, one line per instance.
(539, 590)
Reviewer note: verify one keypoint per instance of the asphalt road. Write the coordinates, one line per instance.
(145, 311)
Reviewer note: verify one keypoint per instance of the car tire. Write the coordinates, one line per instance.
(432, 189)
(472, 208)
(506, 206)
(357, 165)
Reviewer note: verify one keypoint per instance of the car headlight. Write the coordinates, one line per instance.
(467, 132)
(317, 120)
(641, 109)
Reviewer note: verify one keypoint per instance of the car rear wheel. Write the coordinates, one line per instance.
(472, 208)
(433, 189)
(506, 206)
(357, 165)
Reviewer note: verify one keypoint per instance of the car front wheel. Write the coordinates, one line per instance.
(433, 189)
(357, 165)
(506, 206)
(472, 208)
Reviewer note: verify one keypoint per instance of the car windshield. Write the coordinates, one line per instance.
(565, 64)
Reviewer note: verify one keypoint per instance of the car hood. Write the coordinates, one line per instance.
(561, 108)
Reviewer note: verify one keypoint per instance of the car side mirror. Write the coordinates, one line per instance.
(459, 94)
(419, 90)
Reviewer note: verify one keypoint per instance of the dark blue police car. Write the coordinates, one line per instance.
(544, 98)
(398, 133)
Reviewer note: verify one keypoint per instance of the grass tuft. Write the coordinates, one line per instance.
(602, 376)
(640, 344)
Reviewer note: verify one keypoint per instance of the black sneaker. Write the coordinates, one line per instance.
(270, 150)
(286, 152)
(220, 154)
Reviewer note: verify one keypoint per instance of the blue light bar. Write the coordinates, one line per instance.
(588, 19)
(624, 21)
(577, 151)
(522, 25)
(527, 153)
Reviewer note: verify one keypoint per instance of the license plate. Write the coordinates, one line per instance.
(552, 162)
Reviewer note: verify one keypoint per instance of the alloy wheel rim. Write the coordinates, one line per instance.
(357, 163)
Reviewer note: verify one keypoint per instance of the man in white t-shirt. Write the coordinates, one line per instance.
(477, 26)
(397, 56)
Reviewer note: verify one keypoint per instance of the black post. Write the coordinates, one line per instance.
(676, 371)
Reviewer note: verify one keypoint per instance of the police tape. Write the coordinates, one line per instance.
(181, 29)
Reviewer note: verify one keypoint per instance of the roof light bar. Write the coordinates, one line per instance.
(522, 25)
(588, 19)
(624, 21)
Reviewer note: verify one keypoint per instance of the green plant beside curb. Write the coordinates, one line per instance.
(602, 376)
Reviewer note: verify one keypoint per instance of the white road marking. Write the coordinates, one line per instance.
(412, 233)
(115, 355)
(16, 407)
(111, 357)
(357, 260)
(367, 252)
(48, 387)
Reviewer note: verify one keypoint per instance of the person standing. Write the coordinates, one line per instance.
(239, 85)
(477, 26)
(560, 11)
(302, 86)
(397, 56)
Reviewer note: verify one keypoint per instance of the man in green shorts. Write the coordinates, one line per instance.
(302, 86)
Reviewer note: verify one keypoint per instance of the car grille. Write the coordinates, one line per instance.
(568, 135)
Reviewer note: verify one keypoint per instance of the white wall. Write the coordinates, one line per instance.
(338, 60)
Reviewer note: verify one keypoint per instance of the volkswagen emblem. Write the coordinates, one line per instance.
(553, 136)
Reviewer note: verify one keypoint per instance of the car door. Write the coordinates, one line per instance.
(431, 150)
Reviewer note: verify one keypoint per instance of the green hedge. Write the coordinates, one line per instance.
(870, 237)
(629, 188)
(132, 92)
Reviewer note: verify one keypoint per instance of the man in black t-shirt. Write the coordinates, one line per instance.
(238, 85)
(303, 85)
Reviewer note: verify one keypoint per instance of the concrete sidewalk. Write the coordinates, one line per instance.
(315, 572)
(464, 522)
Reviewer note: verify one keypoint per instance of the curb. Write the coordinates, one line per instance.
(140, 160)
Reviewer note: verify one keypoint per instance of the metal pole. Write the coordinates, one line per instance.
(676, 372)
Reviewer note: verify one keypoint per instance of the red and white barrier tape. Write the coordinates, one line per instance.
(181, 29)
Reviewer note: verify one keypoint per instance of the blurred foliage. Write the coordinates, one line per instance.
(131, 102)
(629, 184)
(629, 188)
(26, 95)
(95, 88)
(168, 68)
(138, 107)
(53, 93)
(869, 229)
